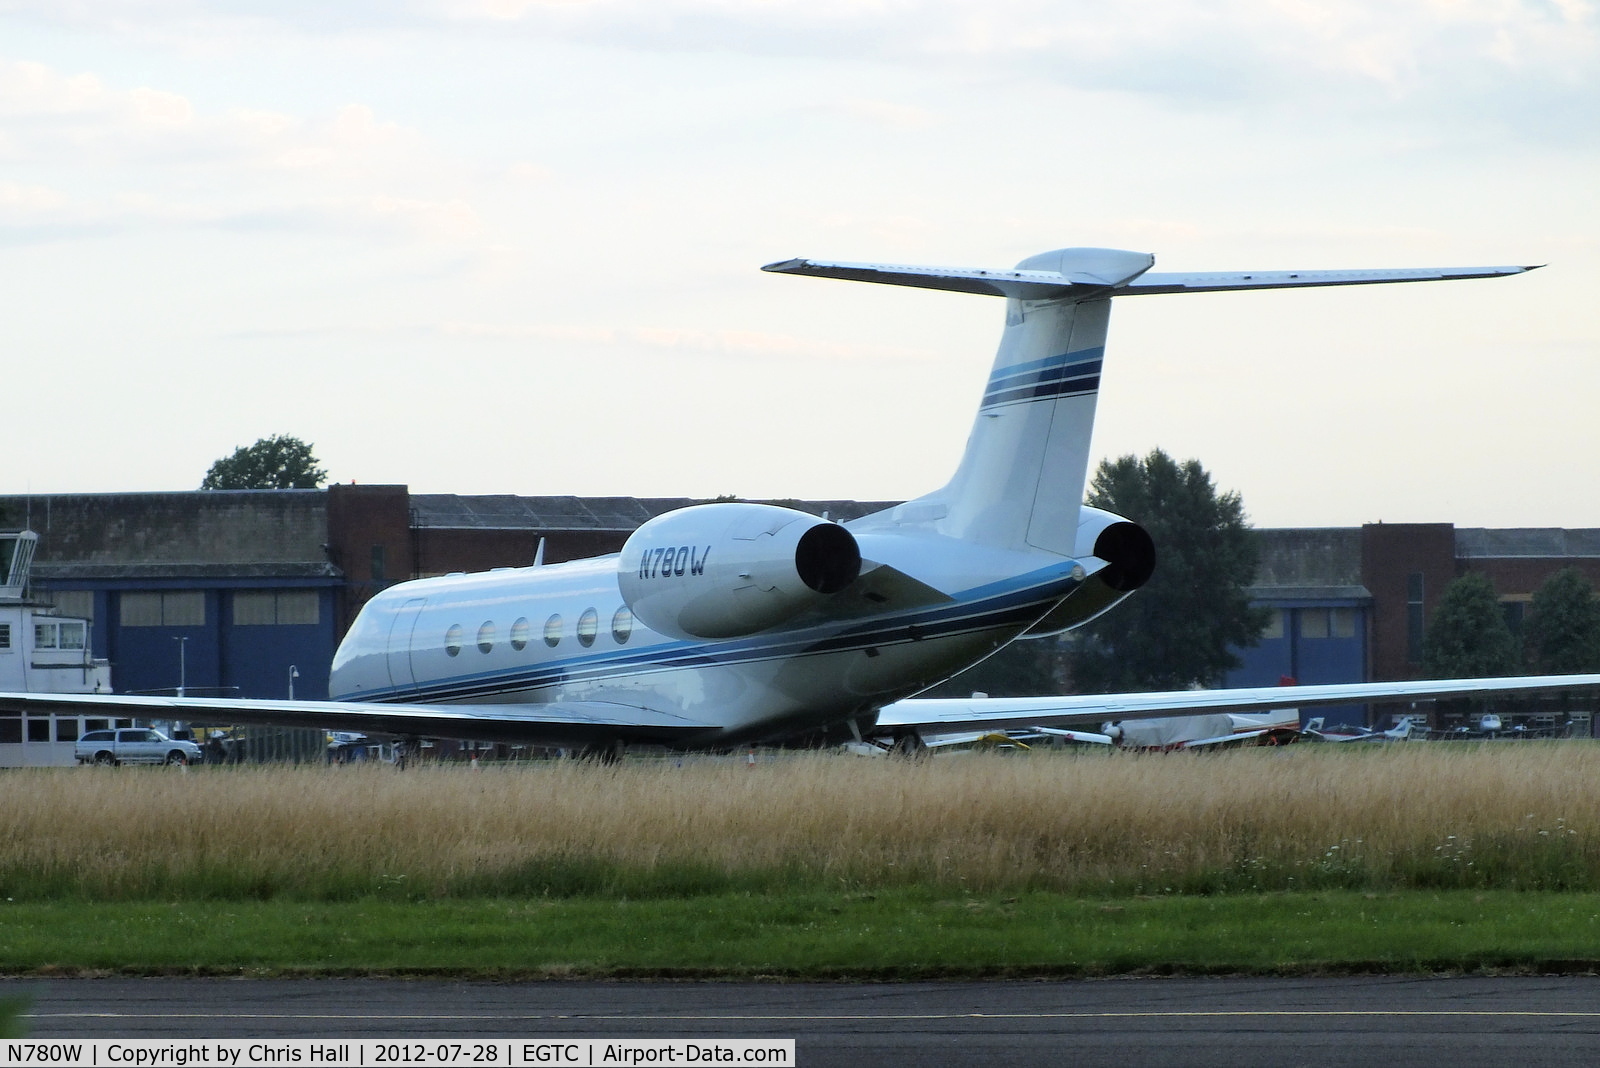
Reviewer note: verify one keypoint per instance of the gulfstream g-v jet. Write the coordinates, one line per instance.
(726, 624)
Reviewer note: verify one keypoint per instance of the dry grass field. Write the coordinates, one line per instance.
(1495, 816)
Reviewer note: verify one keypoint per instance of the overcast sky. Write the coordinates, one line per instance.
(511, 246)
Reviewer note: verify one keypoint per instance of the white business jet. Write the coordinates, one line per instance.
(731, 624)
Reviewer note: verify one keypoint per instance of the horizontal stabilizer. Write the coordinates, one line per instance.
(1213, 281)
(1124, 274)
(1023, 284)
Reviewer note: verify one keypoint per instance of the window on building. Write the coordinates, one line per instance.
(1274, 627)
(59, 634)
(380, 569)
(78, 603)
(11, 729)
(163, 608)
(38, 729)
(1414, 620)
(1343, 622)
(1313, 622)
(1515, 612)
(67, 729)
(275, 607)
(5, 637)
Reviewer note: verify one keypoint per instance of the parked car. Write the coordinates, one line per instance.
(133, 745)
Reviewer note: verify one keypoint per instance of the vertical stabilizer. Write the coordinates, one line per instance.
(1021, 480)
(1020, 484)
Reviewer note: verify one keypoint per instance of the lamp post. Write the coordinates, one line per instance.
(294, 673)
(183, 645)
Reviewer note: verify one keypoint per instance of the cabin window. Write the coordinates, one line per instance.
(622, 625)
(552, 631)
(486, 637)
(519, 634)
(452, 639)
(588, 627)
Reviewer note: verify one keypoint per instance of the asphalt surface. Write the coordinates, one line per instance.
(1389, 1021)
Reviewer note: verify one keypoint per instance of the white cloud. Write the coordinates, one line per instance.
(347, 169)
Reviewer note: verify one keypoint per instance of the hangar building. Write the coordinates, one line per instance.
(246, 592)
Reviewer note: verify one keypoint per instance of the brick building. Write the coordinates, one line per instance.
(233, 591)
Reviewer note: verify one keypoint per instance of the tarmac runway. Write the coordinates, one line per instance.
(1386, 1021)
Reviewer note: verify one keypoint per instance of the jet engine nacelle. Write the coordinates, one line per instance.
(1130, 558)
(723, 570)
(1124, 545)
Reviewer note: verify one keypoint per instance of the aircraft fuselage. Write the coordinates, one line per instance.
(565, 633)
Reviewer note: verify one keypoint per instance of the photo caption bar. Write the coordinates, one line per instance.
(380, 1053)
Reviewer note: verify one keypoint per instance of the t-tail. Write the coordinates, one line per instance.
(1020, 483)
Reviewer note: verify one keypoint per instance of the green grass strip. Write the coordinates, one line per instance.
(889, 935)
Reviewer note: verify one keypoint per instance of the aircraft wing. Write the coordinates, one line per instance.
(938, 714)
(561, 723)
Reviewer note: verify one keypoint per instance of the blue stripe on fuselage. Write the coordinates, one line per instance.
(1021, 601)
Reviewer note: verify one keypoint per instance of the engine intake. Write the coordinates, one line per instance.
(1130, 553)
(728, 569)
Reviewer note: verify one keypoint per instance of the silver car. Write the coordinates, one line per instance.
(133, 745)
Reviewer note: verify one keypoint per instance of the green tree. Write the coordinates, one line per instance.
(1468, 636)
(1179, 630)
(278, 462)
(1022, 669)
(1562, 631)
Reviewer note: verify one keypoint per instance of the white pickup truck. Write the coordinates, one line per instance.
(133, 745)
